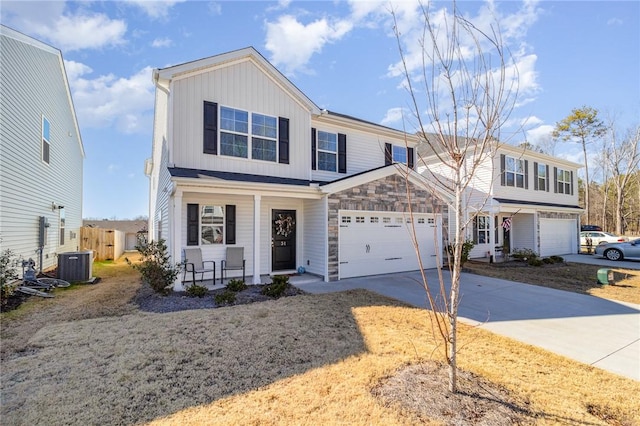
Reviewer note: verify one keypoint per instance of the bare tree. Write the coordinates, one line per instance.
(624, 160)
(465, 91)
(582, 125)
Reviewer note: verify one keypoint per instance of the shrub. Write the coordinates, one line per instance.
(535, 261)
(225, 298)
(467, 246)
(156, 268)
(524, 254)
(236, 285)
(557, 259)
(548, 261)
(8, 274)
(278, 286)
(196, 290)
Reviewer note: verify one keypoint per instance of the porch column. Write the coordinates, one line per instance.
(256, 238)
(492, 236)
(175, 243)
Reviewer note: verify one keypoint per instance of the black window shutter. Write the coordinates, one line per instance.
(210, 128)
(410, 157)
(230, 223)
(535, 176)
(526, 174)
(555, 180)
(283, 140)
(342, 153)
(502, 167)
(388, 154)
(547, 179)
(193, 211)
(571, 184)
(313, 149)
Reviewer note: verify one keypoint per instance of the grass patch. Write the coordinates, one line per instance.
(575, 277)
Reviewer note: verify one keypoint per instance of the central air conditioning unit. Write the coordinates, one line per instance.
(75, 266)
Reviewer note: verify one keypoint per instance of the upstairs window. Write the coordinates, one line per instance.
(242, 133)
(263, 142)
(541, 177)
(564, 182)
(327, 151)
(514, 172)
(46, 139)
(399, 154)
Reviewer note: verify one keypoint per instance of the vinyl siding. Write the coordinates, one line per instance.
(315, 236)
(523, 232)
(33, 84)
(242, 86)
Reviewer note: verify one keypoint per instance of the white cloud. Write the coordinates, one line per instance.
(215, 8)
(155, 9)
(109, 101)
(395, 116)
(76, 69)
(292, 43)
(162, 42)
(615, 21)
(68, 32)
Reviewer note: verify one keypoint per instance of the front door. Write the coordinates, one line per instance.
(283, 240)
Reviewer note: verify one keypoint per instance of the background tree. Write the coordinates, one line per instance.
(623, 161)
(463, 91)
(582, 126)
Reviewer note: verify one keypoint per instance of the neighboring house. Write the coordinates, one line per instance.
(241, 157)
(41, 152)
(131, 229)
(521, 199)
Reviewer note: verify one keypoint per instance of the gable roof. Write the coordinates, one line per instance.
(225, 59)
(22, 38)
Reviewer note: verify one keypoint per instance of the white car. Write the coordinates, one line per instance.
(599, 237)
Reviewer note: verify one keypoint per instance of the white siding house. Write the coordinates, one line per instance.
(41, 152)
(242, 158)
(520, 199)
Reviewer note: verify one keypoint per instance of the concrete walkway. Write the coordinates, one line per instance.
(595, 331)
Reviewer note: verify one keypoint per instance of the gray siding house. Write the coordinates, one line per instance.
(41, 152)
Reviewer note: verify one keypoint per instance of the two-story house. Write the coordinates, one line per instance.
(242, 158)
(518, 199)
(41, 152)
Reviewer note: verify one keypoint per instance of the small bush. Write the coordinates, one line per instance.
(535, 261)
(196, 290)
(227, 297)
(557, 259)
(7, 275)
(524, 254)
(236, 285)
(467, 246)
(156, 268)
(278, 286)
(548, 261)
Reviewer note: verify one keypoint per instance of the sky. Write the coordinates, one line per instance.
(342, 54)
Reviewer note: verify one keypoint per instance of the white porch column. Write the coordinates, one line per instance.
(175, 250)
(256, 238)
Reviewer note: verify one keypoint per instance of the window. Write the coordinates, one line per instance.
(421, 220)
(359, 219)
(374, 219)
(346, 219)
(514, 172)
(541, 178)
(399, 220)
(235, 135)
(327, 151)
(46, 139)
(212, 225)
(386, 220)
(481, 229)
(399, 154)
(431, 221)
(62, 224)
(563, 182)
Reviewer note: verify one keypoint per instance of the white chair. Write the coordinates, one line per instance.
(234, 261)
(194, 264)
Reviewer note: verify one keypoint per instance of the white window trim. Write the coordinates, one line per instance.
(249, 135)
(514, 172)
(45, 140)
(201, 225)
(563, 182)
(319, 150)
(542, 167)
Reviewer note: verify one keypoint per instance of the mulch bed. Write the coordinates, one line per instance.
(149, 301)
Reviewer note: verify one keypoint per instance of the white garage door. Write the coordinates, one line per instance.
(374, 243)
(558, 236)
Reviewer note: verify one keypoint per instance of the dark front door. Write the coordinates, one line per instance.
(283, 240)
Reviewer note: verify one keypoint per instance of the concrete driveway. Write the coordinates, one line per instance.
(598, 332)
(597, 260)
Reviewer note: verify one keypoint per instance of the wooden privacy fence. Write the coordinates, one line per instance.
(107, 244)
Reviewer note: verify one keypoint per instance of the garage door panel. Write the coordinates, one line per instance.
(379, 243)
(558, 236)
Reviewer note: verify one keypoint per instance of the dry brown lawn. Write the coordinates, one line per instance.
(90, 357)
(575, 277)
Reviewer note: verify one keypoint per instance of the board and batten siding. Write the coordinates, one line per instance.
(244, 86)
(33, 85)
(315, 236)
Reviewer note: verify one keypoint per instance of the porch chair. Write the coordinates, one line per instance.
(194, 264)
(234, 261)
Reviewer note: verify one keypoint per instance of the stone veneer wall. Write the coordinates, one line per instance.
(384, 195)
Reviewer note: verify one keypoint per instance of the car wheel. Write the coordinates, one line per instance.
(613, 254)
